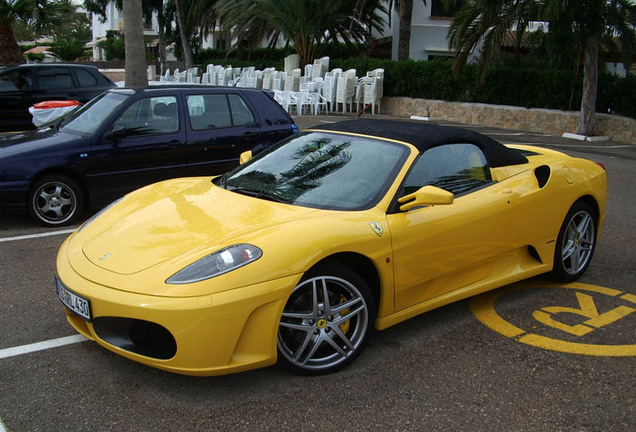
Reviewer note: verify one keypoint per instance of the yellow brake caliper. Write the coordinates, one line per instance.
(344, 327)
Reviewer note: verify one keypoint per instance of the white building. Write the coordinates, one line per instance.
(114, 21)
(429, 27)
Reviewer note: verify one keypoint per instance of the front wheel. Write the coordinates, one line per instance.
(55, 200)
(575, 244)
(326, 321)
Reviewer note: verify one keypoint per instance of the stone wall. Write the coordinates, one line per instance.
(114, 74)
(621, 129)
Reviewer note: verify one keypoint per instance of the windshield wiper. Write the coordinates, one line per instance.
(267, 195)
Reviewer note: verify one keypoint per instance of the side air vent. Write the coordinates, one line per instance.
(534, 254)
(542, 174)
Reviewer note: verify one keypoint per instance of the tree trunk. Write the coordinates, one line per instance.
(590, 86)
(161, 46)
(185, 41)
(405, 13)
(135, 46)
(10, 53)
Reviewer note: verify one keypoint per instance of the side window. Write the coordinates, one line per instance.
(210, 111)
(85, 79)
(457, 168)
(54, 78)
(215, 111)
(16, 80)
(150, 116)
(241, 114)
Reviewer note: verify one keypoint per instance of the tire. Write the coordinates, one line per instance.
(55, 200)
(575, 244)
(317, 337)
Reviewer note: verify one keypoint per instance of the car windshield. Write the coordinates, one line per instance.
(321, 170)
(91, 116)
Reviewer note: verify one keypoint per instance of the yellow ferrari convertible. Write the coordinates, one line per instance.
(300, 252)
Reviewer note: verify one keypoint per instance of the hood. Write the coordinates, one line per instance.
(35, 140)
(175, 218)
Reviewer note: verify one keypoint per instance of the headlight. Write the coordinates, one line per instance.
(216, 264)
(96, 215)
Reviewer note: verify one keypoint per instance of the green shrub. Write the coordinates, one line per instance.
(113, 45)
(617, 95)
(513, 82)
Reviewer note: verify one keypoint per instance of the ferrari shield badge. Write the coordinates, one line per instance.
(377, 228)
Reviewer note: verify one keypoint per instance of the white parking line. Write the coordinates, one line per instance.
(31, 236)
(39, 346)
(3, 428)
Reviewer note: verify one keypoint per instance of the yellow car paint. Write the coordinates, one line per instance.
(425, 257)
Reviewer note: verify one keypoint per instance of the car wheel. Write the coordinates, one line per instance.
(55, 200)
(575, 244)
(326, 321)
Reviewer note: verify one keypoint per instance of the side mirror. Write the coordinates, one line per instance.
(245, 156)
(426, 196)
(116, 133)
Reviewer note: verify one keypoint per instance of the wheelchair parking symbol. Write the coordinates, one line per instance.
(573, 323)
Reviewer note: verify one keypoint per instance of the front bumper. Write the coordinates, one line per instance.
(215, 334)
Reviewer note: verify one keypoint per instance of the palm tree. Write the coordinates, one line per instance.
(307, 24)
(586, 24)
(180, 7)
(404, 9)
(405, 12)
(34, 17)
(134, 44)
(246, 20)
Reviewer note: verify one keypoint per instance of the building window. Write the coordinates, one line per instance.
(440, 9)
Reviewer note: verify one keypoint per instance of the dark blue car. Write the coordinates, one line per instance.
(128, 138)
(25, 85)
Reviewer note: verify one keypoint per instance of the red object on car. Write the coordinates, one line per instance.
(47, 112)
(56, 104)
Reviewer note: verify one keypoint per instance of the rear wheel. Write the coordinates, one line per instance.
(327, 321)
(55, 200)
(575, 244)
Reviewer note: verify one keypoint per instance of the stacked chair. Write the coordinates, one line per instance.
(312, 89)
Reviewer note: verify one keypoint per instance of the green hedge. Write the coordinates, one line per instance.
(503, 85)
(528, 87)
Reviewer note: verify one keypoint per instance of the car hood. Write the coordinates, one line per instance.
(181, 220)
(33, 141)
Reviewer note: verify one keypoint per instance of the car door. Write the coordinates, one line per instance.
(221, 126)
(17, 93)
(441, 248)
(144, 144)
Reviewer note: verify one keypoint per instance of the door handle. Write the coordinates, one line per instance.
(507, 191)
(175, 143)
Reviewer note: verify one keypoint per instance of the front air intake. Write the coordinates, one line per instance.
(140, 337)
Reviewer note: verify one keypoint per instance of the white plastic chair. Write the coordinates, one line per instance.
(329, 91)
(318, 103)
(303, 100)
(286, 99)
(166, 76)
(152, 72)
(291, 83)
(372, 95)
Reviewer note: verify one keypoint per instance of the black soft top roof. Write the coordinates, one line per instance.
(425, 136)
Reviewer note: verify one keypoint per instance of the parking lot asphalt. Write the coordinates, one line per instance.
(458, 368)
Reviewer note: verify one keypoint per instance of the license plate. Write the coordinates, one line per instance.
(74, 302)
